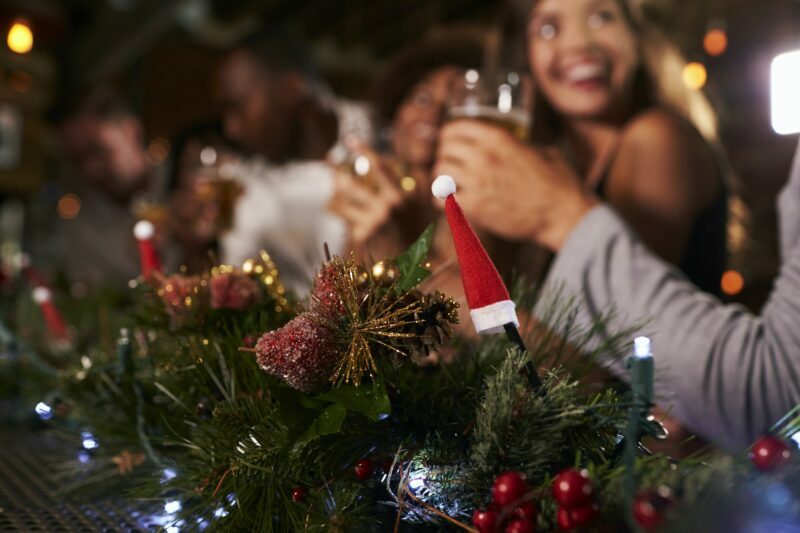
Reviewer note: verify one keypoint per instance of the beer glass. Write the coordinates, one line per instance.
(502, 99)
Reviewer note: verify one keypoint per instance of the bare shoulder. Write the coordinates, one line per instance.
(659, 129)
(674, 153)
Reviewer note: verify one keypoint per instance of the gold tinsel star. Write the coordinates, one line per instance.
(372, 316)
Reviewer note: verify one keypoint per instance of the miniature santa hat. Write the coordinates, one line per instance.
(144, 231)
(490, 305)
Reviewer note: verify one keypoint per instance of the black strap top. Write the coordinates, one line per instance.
(705, 257)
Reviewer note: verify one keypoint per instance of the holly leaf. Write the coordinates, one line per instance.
(410, 262)
(370, 400)
(329, 421)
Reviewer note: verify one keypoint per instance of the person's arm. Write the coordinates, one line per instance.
(730, 374)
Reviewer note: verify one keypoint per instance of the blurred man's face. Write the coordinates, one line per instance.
(107, 153)
(259, 108)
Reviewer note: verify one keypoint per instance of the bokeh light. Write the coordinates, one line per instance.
(68, 206)
(784, 88)
(732, 283)
(158, 149)
(20, 37)
(408, 184)
(695, 76)
(715, 42)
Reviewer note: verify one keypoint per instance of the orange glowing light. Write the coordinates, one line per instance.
(695, 76)
(20, 37)
(732, 283)
(69, 206)
(715, 42)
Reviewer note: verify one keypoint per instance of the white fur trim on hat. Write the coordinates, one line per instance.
(144, 230)
(492, 318)
(443, 186)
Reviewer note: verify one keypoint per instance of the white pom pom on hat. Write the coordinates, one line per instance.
(41, 295)
(144, 230)
(443, 186)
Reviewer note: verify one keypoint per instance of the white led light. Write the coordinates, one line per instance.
(786, 93)
(361, 165)
(89, 442)
(44, 411)
(172, 507)
(641, 346)
(168, 475)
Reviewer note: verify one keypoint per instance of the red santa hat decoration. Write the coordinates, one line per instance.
(491, 307)
(52, 318)
(144, 231)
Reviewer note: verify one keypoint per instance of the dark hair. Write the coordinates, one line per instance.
(279, 49)
(457, 46)
(100, 102)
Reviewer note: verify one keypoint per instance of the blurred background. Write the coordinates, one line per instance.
(161, 55)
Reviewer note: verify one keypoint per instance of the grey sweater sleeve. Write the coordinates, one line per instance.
(728, 375)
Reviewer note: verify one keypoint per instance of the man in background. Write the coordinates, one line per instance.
(276, 106)
(108, 173)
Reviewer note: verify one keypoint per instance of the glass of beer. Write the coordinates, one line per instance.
(502, 99)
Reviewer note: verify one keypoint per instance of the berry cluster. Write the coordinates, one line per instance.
(510, 510)
(574, 493)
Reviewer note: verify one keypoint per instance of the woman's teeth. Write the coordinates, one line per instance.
(584, 72)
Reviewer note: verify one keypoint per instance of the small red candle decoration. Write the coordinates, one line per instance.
(52, 318)
(144, 232)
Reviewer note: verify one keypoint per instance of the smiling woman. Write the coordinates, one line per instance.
(609, 103)
(387, 211)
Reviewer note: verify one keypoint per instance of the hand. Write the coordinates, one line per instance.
(513, 190)
(366, 205)
(194, 213)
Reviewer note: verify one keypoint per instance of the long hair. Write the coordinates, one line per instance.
(658, 80)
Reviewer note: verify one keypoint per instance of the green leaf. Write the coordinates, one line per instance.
(370, 400)
(410, 262)
(328, 422)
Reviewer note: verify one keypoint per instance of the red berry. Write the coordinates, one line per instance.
(585, 515)
(299, 494)
(363, 469)
(564, 520)
(519, 525)
(770, 453)
(526, 511)
(572, 488)
(485, 521)
(649, 508)
(508, 488)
